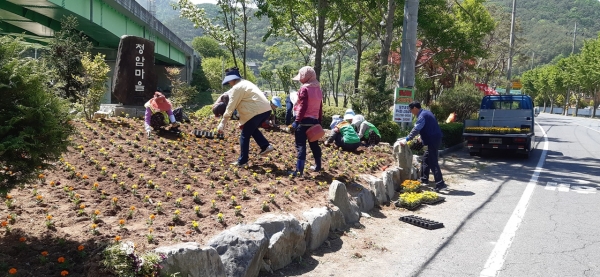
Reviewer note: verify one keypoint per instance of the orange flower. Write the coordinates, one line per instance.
(132, 208)
(8, 196)
(4, 223)
(39, 197)
(22, 239)
(117, 238)
(97, 212)
(82, 206)
(52, 183)
(64, 273)
(115, 199)
(122, 221)
(49, 217)
(94, 226)
(85, 176)
(61, 260)
(12, 271)
(152, 217)
(80, 248)
(70, 188)
(96, 185)
(41, 176)
(45, 253)
(78, 175)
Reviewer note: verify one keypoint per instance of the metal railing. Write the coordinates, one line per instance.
(137, 10)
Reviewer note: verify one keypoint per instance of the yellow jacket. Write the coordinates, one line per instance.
(248, 100)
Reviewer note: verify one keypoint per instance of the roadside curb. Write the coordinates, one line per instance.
(451, 149)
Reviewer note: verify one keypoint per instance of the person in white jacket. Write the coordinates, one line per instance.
(253, 109)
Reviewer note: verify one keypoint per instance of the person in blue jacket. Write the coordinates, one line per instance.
(431, 135)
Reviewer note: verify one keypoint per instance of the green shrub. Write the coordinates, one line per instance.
(204, 112)
(452, 134)
(464, 99)
(121, 263)
(34, 121)
(389, 130)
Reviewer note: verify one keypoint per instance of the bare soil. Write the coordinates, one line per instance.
(113, 170)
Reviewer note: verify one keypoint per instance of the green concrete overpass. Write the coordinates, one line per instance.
(103, 21)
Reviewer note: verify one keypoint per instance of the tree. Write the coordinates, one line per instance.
(208, 47)
(65, 52)
(318, 23)
(93, 80)
(34, 122)
(181, 92)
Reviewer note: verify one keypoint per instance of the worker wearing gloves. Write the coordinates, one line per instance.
(367, 132)
(431, 135)
(344, 135)
(159, 113)
(309, 112)
(253, 109)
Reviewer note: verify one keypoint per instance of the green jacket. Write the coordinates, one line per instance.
(348, 133)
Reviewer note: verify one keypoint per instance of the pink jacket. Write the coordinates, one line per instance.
(310, 103)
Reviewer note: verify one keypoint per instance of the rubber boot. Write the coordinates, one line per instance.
(299, 169)
(317, 166)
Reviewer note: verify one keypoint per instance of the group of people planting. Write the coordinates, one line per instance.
(304, 116)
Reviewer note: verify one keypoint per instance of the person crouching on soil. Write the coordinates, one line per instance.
(253, 109)
(344, 135)
(272, 120)
(159, 114)
(309, 112)
(367, 132)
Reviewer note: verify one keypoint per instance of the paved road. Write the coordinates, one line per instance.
(503, 216)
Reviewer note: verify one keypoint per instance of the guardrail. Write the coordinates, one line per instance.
(140, 12)
(580, 112)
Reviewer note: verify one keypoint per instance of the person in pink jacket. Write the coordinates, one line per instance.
(159, 113)
(309, 111)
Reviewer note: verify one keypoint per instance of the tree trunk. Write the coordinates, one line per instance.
(245, 21)
(322, 4)
(358, 59)
(384, 53)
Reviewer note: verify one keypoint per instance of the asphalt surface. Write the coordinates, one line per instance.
(503, 215)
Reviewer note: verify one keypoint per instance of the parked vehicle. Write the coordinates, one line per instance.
(505, 122)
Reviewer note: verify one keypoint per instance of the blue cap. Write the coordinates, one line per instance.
(276, 101)
(231, 75)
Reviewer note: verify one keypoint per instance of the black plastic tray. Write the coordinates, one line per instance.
(422, 222)
(207, 134)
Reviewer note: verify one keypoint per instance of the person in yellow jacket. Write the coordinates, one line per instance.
(253, 109)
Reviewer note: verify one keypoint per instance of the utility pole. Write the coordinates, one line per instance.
(510, 49)
(574, 33)
(408, 52)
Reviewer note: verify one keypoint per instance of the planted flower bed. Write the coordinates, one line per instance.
(115, 184)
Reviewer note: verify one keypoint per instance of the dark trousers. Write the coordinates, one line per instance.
(430, 163)
(250, 129)
(289, 114)
(338, 138)
(301, 139)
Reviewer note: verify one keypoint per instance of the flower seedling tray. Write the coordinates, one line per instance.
(440, 199)
(422, 222)
(208, 135)
(410, 208)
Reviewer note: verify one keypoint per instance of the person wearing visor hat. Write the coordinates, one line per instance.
(253, 109)
(272, 121)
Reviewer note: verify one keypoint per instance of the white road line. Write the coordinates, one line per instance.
(564, 187)
(495, 261)
(551, 186)
(588, 128)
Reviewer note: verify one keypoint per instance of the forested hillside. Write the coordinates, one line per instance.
(547, 28)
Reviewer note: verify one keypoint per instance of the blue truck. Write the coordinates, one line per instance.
(504, 123)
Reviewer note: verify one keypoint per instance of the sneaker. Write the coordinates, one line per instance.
(439, 188)
(238, 164)
(267, 150)
(314, 168)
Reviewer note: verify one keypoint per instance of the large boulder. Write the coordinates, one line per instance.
(376, 186)
(338, 195)
(338, 222)
(388, 182)
(190, 259)
(403, 158)
(134, 79)
(362, 197)
(319, 221)
(286, 239)
(241, 249)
